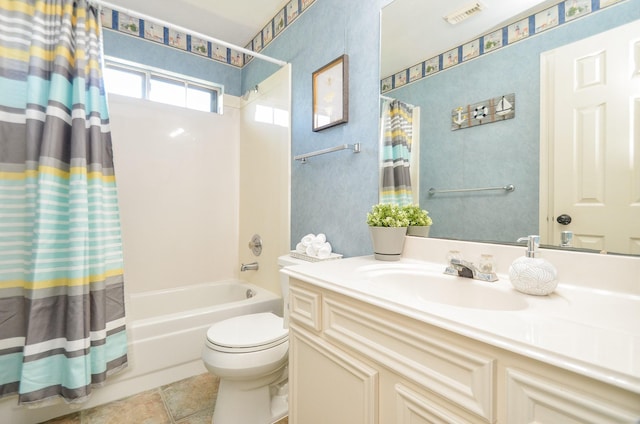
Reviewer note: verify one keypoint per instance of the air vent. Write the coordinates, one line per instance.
(464, 13)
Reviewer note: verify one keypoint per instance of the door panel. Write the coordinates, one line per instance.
(592, 116)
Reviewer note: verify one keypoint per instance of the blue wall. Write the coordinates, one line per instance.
(332, 193)
(494, 154)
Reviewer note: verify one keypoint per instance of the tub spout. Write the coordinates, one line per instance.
(253, 266)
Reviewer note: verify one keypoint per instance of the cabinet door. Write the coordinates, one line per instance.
(327, 385)
(532, 399)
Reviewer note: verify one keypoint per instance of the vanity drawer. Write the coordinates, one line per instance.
(305, 307)
(455, 372)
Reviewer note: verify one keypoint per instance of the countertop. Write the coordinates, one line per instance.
(586, 330)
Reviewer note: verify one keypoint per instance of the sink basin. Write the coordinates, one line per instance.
(422, 285)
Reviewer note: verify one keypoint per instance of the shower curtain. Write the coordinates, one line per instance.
(396, 138)
(62, 327)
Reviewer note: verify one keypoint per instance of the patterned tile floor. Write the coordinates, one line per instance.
(188, 401)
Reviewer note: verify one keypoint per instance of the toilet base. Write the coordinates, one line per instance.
(239, 404)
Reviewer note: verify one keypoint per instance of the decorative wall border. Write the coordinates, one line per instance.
(148, 30)
(559, 14)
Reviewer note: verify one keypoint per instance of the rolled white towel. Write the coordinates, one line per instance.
(311, 251)
(308, 239)
(325, 251)
(301, 248)
(317, 244)
(318, 241)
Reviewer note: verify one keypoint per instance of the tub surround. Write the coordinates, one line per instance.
(587, 329)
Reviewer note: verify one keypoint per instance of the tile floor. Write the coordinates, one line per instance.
(188, 401)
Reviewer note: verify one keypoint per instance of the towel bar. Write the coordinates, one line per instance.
(303, 158)
(508, 188)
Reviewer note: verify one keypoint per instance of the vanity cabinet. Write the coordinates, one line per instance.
(353, 362)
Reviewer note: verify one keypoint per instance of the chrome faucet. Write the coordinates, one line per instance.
(466, 269)
(253, 266)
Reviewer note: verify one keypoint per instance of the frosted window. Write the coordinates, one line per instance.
(130, 79)
(124, 82)
(167, 91)
(200, 99)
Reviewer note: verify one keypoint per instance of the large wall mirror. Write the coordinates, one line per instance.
(511, 151)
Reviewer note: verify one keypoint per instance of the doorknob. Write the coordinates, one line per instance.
(564, 219)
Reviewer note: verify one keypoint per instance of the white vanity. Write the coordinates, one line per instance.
(402, 343)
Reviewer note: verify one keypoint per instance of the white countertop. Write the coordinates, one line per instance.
(586, 330)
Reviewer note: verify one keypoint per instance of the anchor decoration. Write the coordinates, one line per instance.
(485, 112)
(459, 118)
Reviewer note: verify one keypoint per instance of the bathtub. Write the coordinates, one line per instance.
(166, 332)
(159, 313)
(167, 328)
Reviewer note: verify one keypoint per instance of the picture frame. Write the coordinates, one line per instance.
(331, 94)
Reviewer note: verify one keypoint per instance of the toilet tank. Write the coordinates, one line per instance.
(285, 261)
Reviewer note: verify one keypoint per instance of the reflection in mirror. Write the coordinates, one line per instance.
(399, 152)
(506, 152)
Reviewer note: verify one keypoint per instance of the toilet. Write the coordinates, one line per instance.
(249, 353)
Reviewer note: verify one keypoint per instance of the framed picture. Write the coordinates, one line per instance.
(331, 94)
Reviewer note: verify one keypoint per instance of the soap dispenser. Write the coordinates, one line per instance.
(530, 274)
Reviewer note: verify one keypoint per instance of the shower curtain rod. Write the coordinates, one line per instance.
(186, 30)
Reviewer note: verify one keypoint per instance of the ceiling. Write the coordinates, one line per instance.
(412, 30)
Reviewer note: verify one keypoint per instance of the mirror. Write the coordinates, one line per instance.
(495, 155)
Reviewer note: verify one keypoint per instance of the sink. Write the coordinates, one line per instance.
(425, 285)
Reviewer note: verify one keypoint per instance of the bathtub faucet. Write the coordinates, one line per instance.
(253, 266)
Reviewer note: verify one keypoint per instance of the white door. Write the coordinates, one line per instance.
(590, 103)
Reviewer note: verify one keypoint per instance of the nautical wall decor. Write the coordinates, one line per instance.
(485, 112)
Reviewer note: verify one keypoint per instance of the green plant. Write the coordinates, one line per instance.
(387, 215)
(417, 216)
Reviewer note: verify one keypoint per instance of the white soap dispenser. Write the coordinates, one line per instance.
(530, 274)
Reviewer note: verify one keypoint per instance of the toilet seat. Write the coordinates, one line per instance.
(247, 333)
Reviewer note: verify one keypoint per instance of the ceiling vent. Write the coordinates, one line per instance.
(465, 12)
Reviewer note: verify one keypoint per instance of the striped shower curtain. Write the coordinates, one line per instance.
(62, 327)
(396, 138)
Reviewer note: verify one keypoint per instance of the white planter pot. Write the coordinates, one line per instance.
(388, 242)
(418, 230)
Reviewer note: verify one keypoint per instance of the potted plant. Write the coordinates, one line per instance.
(388, 226)
(419, 221)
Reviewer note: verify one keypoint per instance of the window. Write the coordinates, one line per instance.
(200, 98)
(133, 80)
(125, 82)
(167, 91)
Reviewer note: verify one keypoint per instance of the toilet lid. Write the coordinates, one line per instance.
(248, 332)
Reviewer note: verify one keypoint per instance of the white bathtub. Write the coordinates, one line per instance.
(160, 313)
(167, 328)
